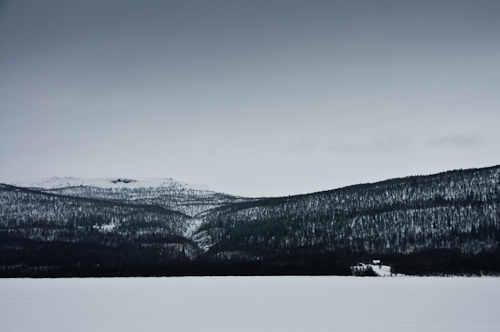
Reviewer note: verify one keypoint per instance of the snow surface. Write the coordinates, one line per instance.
(384, 270)
(192, 226)
(140, 182)
(105, 228)
(250, 304)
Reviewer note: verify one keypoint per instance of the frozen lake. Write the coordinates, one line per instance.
(250, 304)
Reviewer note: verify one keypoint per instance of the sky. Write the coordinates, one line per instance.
(252, 98)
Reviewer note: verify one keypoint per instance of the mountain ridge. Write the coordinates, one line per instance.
(178, 230)
(164, 192)
(52, 183)
(123, 182)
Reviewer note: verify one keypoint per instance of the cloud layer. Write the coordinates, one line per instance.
(251, 97)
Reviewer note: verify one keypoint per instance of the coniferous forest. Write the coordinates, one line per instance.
(442, 224)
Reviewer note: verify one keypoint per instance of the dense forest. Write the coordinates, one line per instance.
(442, 224)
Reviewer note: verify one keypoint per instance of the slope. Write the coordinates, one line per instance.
(164, 192)
(43, 233)
(454, 213)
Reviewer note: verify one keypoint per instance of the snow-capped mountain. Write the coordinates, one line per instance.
(446, 223)
(164, 192)
(131, 183)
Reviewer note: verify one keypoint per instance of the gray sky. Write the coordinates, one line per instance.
(254, 98)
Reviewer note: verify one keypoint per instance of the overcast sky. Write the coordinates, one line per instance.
(253, 98)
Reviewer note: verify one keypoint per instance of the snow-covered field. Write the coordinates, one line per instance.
(250, 304)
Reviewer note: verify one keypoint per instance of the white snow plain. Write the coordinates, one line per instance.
(250, 304)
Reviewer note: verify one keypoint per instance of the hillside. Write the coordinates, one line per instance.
(446, 223)
(163, 192)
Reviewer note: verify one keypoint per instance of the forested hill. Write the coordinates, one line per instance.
(456, 211)
(447, 223)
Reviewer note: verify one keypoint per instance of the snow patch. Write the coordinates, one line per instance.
(379, 269)
(191, 227)
(383, 271)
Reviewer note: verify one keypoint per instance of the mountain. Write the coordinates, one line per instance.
(446, 223)
(164, 192)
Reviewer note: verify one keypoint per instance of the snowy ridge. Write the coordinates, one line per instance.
(131, 183)
(163, 192)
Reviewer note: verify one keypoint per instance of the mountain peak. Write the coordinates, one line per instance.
(122, 182)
